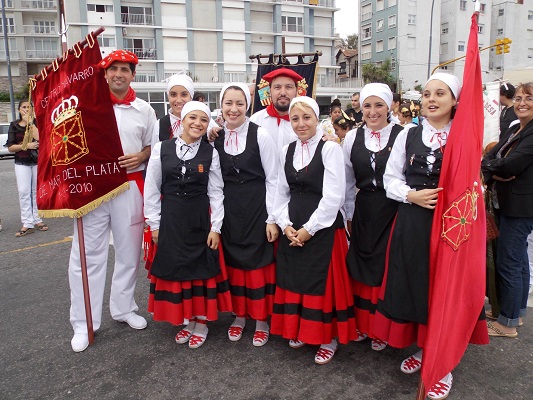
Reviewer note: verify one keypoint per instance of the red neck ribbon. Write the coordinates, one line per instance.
(271, 110)
(130, 96)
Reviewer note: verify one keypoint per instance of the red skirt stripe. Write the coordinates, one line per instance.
(319, 319)
(365, 303)
(252, 292)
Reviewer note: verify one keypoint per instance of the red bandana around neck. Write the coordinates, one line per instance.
(130, 96)
(271, 110)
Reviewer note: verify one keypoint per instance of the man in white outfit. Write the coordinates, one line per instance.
(123, 215)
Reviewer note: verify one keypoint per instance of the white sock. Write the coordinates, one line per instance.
(239, 321)
(418, 354)
(201, 326)
(191, 325)
(261, 326)
(330, 346)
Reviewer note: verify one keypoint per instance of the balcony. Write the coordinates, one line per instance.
(40, 30)
(13, 55)
(143, 54)
(46, 5)
(137, 19)
(42, 54)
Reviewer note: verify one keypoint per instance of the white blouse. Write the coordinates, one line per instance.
(394, 178)
(334, 184)
(372, 143)
(235, 143)
(152, 184)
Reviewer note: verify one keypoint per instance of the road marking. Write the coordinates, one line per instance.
(65, 240)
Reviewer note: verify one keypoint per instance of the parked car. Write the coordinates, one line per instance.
(4, 152)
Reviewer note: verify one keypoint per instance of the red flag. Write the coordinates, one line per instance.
(458, 235)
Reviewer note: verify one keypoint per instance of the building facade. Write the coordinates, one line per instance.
(211, 40)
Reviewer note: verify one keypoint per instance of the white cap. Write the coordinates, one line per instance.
(195, 105)
(307, 100)
(376, 89)
(451, 80)
(181, 80)
(241, 86)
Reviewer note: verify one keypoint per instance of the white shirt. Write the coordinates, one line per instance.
(334, 184)
(152, 185)
(235, 143)
(373, 144)
(282, 134)
(394, 177)
(135, 126)
(176, 127)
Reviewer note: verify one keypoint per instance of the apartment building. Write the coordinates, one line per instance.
(211, 40)
(399, 30)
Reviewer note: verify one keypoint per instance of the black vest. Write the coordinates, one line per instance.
(165, 128)
(417, 173)
(360, 157)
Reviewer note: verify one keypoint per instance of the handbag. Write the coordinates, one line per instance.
(492, 228)
(34, 154)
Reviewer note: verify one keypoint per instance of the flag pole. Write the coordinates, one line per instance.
(85, 281)
(421, 393)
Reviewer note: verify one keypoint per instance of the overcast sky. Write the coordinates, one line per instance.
(347, 18)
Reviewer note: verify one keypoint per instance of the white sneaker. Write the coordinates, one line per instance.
(135, 321)
(441, 389)
(79, 342)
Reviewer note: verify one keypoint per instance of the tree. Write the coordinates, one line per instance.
(350, 42)
(380, 74)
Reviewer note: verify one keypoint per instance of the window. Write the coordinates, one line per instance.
(444, 48)
(12, 43)
(392, 21)
(9, 3)
(480, 29)
(10, 26)
(444, 28)
(366, 52)
(412, 2)
(462, 5)
(392, 63)
(411, 42)
(411, 19)
(100, 8)
(367, 32)
(47, 27)
(143, 48)
(380, 5)
(379, 46)
(292, 24)
(530, 15)
(499, 31)
(379, 25)
(482, 8)
(529, 53)
(106, 41)
(366, 12)
(392, 3)
(461, 46)
(392, 43)
(136, 15)
(500, 12)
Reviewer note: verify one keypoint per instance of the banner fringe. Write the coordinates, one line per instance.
(80, 212)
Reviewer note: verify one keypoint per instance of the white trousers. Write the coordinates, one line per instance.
(122, 216)
(27, 187)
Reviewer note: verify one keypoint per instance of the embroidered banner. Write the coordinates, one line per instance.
(79, 143)
(306, 87)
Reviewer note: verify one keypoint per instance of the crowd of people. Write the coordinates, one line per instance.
(318, 232)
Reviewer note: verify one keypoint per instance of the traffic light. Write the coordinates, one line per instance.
(499, 47)
(506, 45)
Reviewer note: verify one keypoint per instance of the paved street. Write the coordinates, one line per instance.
(37, 361)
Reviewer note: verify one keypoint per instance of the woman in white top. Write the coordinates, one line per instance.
(248, 158)
(314, 301)
(184, 209)
(371, 214)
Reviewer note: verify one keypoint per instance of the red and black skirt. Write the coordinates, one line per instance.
(318, 319)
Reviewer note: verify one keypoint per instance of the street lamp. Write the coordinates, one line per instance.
(8, 60)
(430, 36)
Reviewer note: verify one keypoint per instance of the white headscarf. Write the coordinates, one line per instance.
(451, 80)
(376, 89)
(241, 86)
(193, 106)
(181, 80)
(307, 100)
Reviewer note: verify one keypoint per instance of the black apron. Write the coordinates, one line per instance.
(305, 269)
(373, 214)
(182, 253)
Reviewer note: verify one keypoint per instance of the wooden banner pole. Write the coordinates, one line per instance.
(85, 281)
(421, 393)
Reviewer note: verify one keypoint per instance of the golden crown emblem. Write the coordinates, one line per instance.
(65, 110)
